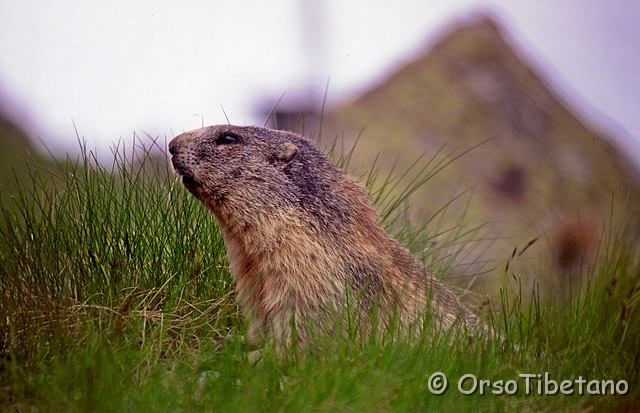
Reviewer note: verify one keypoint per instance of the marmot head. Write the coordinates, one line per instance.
(250, 171)
(220, 164)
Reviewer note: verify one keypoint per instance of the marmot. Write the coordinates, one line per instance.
(302, 237)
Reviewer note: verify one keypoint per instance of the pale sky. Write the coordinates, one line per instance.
(161, 67)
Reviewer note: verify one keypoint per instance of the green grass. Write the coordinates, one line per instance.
(115, 296)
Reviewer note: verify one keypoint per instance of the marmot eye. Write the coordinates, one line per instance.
(226, 139)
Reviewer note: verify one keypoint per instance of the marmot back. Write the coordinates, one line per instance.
(302, 235)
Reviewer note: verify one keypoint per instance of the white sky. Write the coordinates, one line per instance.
(113, 67)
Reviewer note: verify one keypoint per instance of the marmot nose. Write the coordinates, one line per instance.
(172, 147)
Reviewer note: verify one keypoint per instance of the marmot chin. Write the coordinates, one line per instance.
(302, 237)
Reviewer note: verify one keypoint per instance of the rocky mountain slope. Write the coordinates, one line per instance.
(535, 171)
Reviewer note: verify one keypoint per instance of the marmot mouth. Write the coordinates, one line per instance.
(188, 179)
(189, 182)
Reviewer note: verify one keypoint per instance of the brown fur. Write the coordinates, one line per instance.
(302, 235)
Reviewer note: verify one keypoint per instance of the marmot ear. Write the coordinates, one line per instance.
(284, 153)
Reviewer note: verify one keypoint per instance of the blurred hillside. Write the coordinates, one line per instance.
(536, 170)
(16, 154)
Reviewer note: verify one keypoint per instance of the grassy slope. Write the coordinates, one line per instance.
(115, 296)
(17, 152)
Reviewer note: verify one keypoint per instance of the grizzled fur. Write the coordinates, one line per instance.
(301, 235)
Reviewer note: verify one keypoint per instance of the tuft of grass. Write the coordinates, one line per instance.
(119, 251)
(115, 296)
